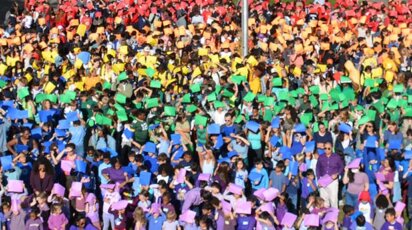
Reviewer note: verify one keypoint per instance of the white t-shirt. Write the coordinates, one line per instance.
(27, 21)
(219, 117)
(167, 225)
(113, 198)
(366, 210)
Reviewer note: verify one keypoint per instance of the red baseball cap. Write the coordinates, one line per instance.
(364, 196)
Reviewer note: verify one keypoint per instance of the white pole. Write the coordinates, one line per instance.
(245, 16)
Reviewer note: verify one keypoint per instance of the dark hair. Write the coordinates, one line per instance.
(43, 161)
(106, 155)
(381, 201)
(280, 164)
(207, 206)
(214, 201)
(310, 172)
(391, 162)
(360, 220)
(390, 211)
(71, 145)
(206, 195)
(79, 217)
(216, 185)
(347, 209)
(114, 160)
(207, 221)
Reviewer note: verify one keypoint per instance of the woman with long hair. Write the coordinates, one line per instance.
(140, 219)
(222, 174)
(42, 176)
(356, 181)
(101, 139)
(183, 128)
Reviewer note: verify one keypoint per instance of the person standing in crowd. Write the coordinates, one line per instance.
(147, 115)
(329, 164)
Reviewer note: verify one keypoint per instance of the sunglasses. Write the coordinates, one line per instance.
(328, 148)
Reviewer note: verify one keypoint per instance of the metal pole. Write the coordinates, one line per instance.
(245, 16)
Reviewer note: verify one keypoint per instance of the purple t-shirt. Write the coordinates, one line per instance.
(394, 226)
(222, 224)
(115, 175)
(35, 224)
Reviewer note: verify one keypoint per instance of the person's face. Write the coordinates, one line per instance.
(40, 200)
(259, 166)
(42, 168)
(106, 160)
(70, 150)
(33, 216)
(369, 127)
(100, 132)
(322, 128)
(311, 176)
(255, 112)
(328, 149)
(389, 217)
(81, 223)
(385, 163)
(228, 120)
(239, 164)
(187, 158)
(166, 199)
(26, 134)
(131, 159)
(117, 165)
(141, 116)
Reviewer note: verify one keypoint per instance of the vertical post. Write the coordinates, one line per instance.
(245, 17)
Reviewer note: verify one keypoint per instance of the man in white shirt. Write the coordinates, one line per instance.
(27, 20)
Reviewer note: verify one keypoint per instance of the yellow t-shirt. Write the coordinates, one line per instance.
(254, 84)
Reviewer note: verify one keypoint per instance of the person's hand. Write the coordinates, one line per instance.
(256, 182)
(346, 168)
(334, 176)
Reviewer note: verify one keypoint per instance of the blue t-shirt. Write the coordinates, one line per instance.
(227, 130)
(246, 223)
(155, 223)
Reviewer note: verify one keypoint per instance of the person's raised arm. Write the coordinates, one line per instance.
(267, 138)
(345, 179)
(244, 140)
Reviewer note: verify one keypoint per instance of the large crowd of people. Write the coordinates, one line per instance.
(147, 115)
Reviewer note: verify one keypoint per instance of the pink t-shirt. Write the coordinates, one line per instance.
(56, 221)
(358, 184)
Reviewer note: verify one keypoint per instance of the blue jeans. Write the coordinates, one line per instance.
(108, 219)
(351, 199)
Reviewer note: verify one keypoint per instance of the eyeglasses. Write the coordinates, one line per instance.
(369, 126)
(227, 120)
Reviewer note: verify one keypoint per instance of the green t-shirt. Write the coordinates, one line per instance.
(201, 136)
(141, 131)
